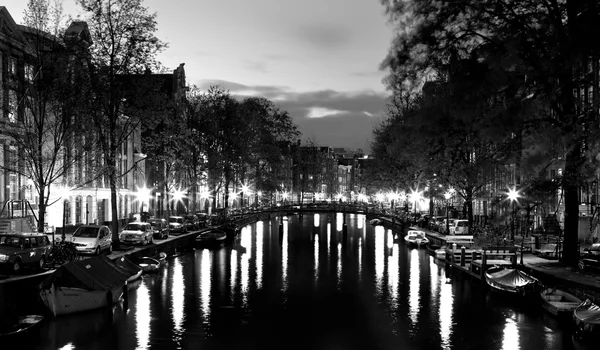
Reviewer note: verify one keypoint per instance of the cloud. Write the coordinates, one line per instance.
(319, 112)
(323, 36)
(255, 66)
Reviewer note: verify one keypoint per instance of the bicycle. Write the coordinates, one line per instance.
(62, 252)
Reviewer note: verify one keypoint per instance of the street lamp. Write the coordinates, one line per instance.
(245, 189)
(513, 196)
(448, 195)
(143, 196)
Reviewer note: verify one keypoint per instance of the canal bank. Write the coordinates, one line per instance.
(551, 272)
(21, 293)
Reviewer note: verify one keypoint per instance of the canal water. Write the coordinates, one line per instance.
(310, 286)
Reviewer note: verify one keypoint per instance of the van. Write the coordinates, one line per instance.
(460, 227)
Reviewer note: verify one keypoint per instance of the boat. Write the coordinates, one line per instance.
(133, 269)
(376, 222)
(510, 281)
(587, 320)
(148, 264)
(21, 325)
(558, 302)
(232, 230)
(83, 285)
(416, 238)
(211, 237)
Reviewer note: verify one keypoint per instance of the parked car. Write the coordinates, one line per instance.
(460, 227)
(20, 249)
(137, 232)
(590, 257)
(202, 220)
(177, 224)
(160, 228)
(92, 239)
(192, 222)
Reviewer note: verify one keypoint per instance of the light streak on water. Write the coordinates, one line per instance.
(142, 317)
(339, 221)
(259, 253)
(393, 278)
(284, 257)
(205, 283)
(316, 220)
(379, 256)
(177, 300)
(510, 341)
(413, 289)
(446, 306)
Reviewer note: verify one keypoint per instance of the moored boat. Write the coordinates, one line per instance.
(83, 285)
(131, 268)
(21, 325)
(510, 281)
(416, 238)
(587, 320)
(211, 237)
(558, 302)
(148, 264)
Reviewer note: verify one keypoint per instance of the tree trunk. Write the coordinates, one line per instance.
(114, 224)
(570, 254)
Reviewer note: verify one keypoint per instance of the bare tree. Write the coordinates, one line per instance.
(124, 44)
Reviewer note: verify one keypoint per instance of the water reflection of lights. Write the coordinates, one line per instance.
(245, 241)
(317, 220)
(379, 255)
(339, 264)
(284, 257)
(205, 283)
(413, 291)
(360, 221)
(142, 317)
(389, 239)
(68, 346)
(434, 278)
(328, 242)
(393, 280)
(258, 261)
(339, 221)
(360, 259)
(177, 299)
(316, 257)
(233, 273)
(511, 335)
(445, 311)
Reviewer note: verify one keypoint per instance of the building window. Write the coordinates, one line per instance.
(12, 67)
(12, 106)
(29, 73)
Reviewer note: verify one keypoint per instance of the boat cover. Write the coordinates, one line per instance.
(96, 273)
(127, 265)
(511, 277)
(588, 312)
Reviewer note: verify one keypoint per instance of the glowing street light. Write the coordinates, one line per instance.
(143, 196)
(513, 196)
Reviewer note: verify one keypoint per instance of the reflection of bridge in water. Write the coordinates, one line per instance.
(332, 207)
(390, 219)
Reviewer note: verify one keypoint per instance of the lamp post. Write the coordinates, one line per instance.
(447, 195)
(513, 196)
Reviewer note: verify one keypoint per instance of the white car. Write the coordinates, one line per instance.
(92, 239)
(137, 232)
(460, 227)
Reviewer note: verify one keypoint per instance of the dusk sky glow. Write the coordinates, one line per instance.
(317, 59)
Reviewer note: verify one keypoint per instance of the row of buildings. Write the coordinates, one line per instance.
(83, 196)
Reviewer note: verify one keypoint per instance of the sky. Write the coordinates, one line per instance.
(317, 59)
